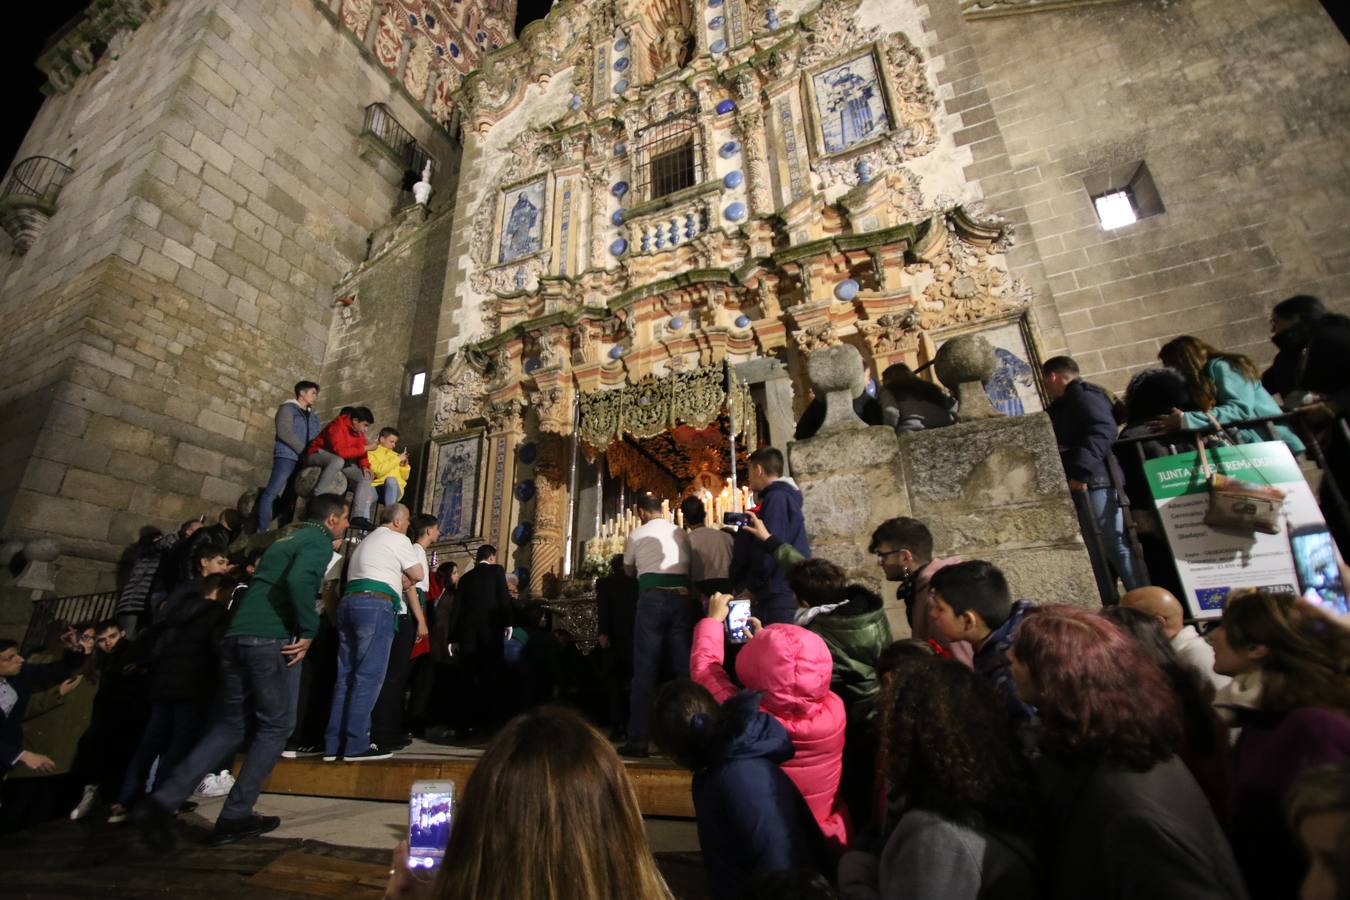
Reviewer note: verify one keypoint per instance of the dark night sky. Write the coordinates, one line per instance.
(29, 32)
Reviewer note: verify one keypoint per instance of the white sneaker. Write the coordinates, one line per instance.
(215, 785)
(86, 804)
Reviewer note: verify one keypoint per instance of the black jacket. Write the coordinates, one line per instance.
(1286, 370)
(186, 649)
(616, 610)
(1085, 429)
(1114, 833)
(31, 679)
(482, 609)
(753, 566)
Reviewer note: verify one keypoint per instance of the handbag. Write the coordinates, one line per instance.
(1236, 504)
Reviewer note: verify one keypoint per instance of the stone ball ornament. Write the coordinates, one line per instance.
(964, 364)
(838, 375)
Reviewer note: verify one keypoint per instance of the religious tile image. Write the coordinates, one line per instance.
(453, 488)
(849, 103)
(522, 222)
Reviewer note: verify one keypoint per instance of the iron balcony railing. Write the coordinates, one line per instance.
(381, 125)
(72, 610)
(39, 177)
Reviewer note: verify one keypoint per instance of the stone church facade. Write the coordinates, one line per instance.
(629, 195)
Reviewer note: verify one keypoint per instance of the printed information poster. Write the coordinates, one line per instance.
(1212, 561)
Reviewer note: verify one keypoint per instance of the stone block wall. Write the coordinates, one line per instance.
(1241, 114)
(389, 330)
(186, 281)
(991, 490)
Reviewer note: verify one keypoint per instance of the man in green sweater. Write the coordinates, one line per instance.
(260, 677)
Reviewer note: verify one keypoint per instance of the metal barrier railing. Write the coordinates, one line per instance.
(381, 124)
(74, 609)
(40, 177)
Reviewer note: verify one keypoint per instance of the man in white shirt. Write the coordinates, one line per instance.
(709, 550)
(366, 621)
(658, 554)
(1191, 648)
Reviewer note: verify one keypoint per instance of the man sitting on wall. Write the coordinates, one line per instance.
(297, 424)
(340, 449)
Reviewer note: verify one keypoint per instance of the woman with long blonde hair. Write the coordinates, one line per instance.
(549, 813)
(1226, 386)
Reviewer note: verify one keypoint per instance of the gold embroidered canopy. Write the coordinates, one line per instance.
(656, 405)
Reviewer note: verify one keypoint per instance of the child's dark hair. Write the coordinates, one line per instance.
(975, 586)
(817, 582)
(222, 586)
(685, 721)
(901, 653)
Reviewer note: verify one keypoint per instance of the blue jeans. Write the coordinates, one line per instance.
(1102, 522)
(388, 491)
(365, 624)
(338, 476)
(664, 627)
(282, 470)
(256, 684)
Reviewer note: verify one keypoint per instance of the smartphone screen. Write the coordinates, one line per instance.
(738, 621)
(1319, 576)
(430, 808)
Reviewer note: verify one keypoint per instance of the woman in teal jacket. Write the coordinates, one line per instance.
(1226, 386)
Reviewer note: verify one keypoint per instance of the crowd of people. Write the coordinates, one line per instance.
(1007, 748)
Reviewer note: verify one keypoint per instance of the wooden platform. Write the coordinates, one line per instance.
(662, 788)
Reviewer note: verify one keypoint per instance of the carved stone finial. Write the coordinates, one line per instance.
(837, 374)
(964, 364)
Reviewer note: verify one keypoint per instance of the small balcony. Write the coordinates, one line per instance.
(387, 138)
(668, 228)
(28, 199)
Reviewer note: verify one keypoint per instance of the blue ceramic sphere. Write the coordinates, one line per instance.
(717, 22)
(735, 212)
(742, 321)
(621, 44)
(620, 148)
(617, 217)
(718, 46)
(615, 352)
(733, 179)
(575, 102)
(621, 86)
(522, 533)
(676, 323)
(619, 188)
(619, 247)
(527, 452)
(729, 149)
(532, 364)
(846, 289)
(713, 4)
(725, 107)
(621, 64)
(525, 490)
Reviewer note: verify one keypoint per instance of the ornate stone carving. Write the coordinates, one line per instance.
(809, 340)
(834, 29)
(521, 275)
(891, 333)
(505, 415)
(969, 283)
(750, 124)
(460, 392)
(597, 182)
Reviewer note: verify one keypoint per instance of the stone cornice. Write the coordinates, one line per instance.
(989, 9)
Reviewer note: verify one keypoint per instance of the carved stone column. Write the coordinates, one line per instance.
(505, 430)
(750, 123)
(550, 507)
(599, 221)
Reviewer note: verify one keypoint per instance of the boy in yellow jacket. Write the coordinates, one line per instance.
(389, 470)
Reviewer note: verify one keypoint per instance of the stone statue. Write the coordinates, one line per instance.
(669, 47)
(422, 190)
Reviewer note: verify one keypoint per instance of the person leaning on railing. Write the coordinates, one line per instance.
(1226, 386)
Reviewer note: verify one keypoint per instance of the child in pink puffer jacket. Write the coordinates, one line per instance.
(790, 667)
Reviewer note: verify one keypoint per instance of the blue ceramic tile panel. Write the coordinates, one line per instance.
(849, 103)
(523, 229)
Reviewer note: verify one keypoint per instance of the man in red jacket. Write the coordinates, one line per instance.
(340, 449)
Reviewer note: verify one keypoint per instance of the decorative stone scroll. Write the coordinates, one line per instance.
(459, 393)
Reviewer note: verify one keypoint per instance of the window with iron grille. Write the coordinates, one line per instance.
(669, 156)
